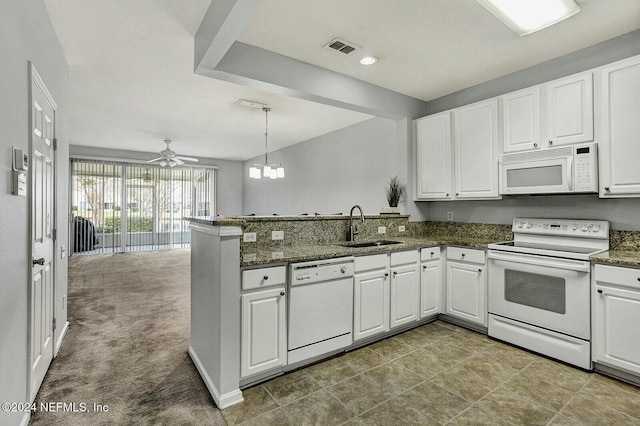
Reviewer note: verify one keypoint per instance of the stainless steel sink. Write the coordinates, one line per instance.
(377, 243)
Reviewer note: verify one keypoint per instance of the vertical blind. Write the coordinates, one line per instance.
(120, 207)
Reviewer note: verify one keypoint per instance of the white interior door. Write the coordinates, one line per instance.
(42, 223)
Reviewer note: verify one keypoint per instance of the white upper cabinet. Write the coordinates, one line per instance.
(556, 113)
(619, 129)
(435, 162)
(476, 150)
(569, 105)
(459, 161)
(521, 120)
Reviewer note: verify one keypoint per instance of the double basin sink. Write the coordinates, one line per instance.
(377, 243)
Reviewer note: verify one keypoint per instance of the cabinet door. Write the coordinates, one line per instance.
(466, 292)
(615, 341)
(521, 120)
(371, 304)
(476, 150)
(619, 147)
(434, 160)
(569, 110)
(264, 341)
(405, 295)
(430, 285)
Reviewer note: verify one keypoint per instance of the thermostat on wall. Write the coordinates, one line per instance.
(20, 160)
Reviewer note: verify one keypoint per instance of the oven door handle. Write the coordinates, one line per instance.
(572, 265)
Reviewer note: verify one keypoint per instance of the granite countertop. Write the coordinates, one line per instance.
(618, 258)
(302, 253)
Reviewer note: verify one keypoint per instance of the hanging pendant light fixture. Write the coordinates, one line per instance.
(266, 170)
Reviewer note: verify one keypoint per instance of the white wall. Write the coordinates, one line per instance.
(330, 173)
(26, 34)
(229, 174)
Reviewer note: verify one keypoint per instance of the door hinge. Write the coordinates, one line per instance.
(55, 234)
(55, 144)
(54, 323)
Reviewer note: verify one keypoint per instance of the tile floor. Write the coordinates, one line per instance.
(438, 374)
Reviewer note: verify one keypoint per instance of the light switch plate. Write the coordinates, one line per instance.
(249, 237)
(277, 235)
(382, 229)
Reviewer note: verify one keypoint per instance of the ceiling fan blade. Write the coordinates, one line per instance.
(178, 161)
(187, 158)
(155, 159)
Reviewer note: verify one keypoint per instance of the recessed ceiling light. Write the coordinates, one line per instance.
(528, 16)
(368, 60)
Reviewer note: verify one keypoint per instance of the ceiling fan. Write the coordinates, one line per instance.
(169, 157)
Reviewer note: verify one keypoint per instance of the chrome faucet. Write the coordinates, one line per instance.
(353, 229)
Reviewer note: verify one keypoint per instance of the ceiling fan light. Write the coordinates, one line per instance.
(280, 172)
(163, 163)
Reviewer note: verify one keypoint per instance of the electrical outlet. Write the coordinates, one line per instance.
(449, 215)
(277, 235)
(401, 228)
(277, 254)
(249, 237)
(382, 229)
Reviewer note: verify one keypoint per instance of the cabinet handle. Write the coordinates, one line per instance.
(266, 277)
(386, 274)
(638, 278)
(535, 144)
(424, 267)
(282, 293)
(480, 270)
(550, 142)
(447, 194)
(606, 188)
(462, 255)
(395, 273)
(432, 253)
(600, 290)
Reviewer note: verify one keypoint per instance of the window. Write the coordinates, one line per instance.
(119, 207)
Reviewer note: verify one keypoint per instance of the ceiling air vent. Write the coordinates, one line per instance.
(340, 45)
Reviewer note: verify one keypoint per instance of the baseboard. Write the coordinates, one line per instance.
(222, 400)
(63, 333)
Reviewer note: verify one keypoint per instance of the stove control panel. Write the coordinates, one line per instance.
(579, 228)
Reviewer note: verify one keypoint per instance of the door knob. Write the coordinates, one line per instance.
(38, 261)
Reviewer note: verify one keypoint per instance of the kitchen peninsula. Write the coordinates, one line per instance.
(222, 248)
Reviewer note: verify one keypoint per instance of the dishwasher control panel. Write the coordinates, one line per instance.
(321, 270)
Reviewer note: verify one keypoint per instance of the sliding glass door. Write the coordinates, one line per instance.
(120, 207)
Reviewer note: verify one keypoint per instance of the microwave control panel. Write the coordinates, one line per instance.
(585, 168)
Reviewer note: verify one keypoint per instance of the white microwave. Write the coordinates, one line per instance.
(563, 170)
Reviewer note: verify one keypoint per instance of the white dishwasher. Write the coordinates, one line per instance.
(320, 308)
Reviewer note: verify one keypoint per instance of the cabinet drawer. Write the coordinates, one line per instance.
(429, 253)
(373, 261)
(263, 277)
(465, 254)
(626, 277)
(404, 257)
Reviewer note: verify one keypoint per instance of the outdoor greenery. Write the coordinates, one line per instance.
(112, 225)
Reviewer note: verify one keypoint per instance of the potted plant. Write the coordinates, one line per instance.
(394, 192)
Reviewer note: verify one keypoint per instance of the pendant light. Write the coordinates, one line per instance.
(266, 170)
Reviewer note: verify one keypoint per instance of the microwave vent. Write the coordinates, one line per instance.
(539, 154)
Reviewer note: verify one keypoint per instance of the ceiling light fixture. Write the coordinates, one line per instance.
(271, 171)
(528, 16)
(368, 60)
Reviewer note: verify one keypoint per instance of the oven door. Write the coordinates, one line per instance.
(551, 175)
(548, 292)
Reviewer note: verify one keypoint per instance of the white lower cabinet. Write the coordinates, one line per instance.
(264, 328)
(430, 282)
(405, 288)
(370, 296)
(466, 285)
(616, 315)
(386, 292)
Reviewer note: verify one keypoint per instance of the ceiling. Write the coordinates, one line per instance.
(131, 64)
